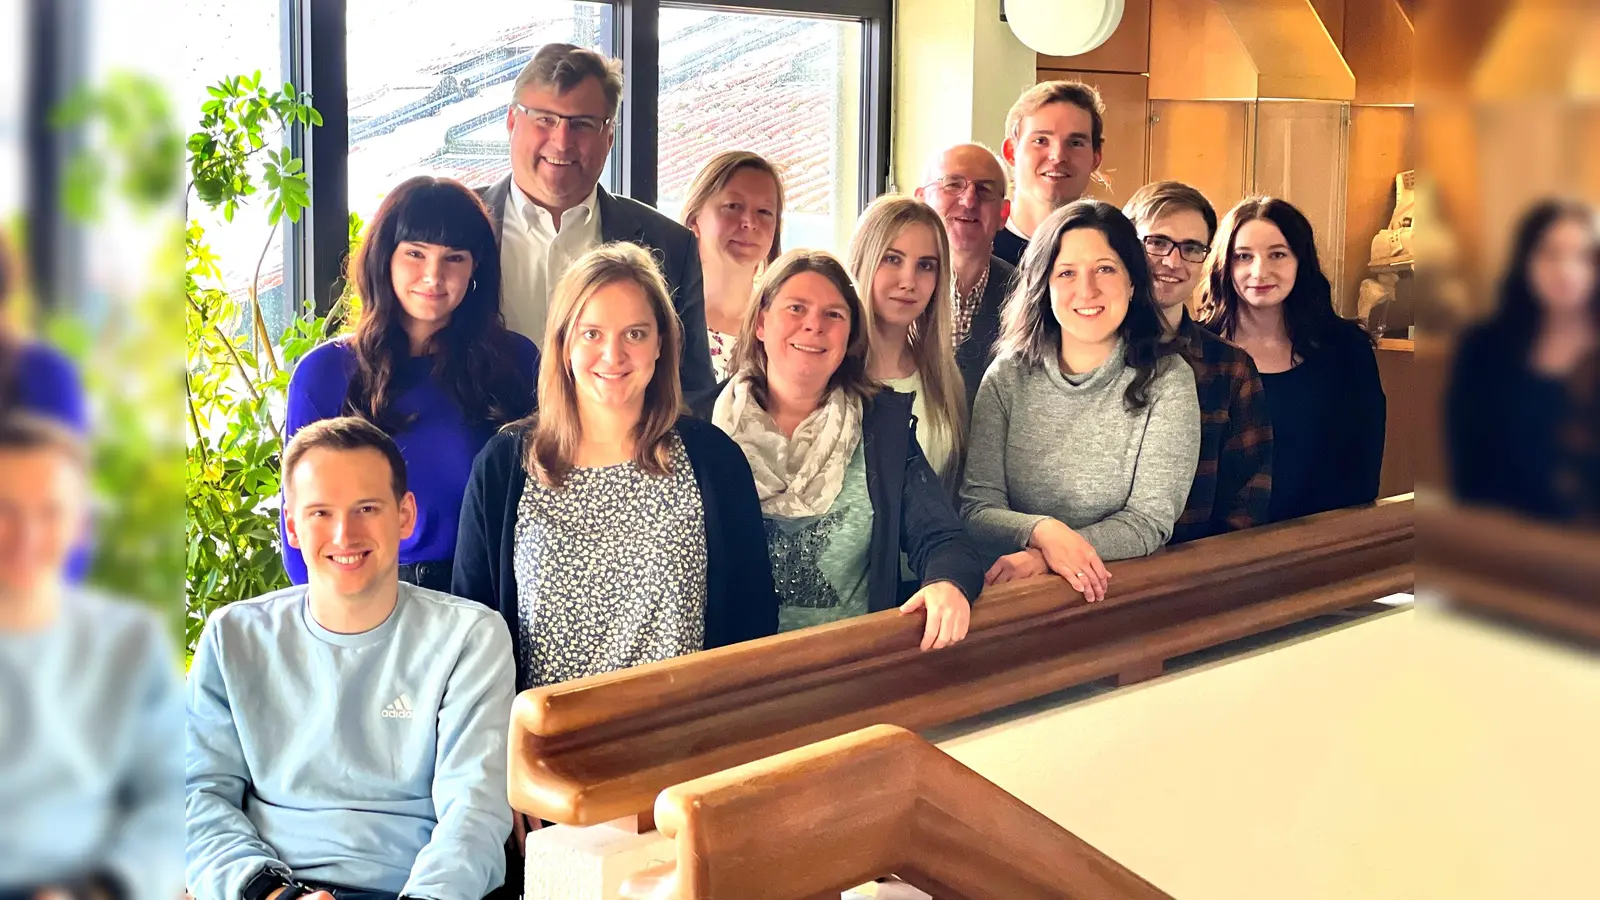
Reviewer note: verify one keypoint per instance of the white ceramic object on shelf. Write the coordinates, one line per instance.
(1063, 27)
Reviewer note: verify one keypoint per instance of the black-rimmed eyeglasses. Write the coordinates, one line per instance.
(1157, 246)
(956, 185)
(545, 120)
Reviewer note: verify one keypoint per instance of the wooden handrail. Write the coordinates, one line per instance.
(601, 748)
(1509, 566)
(813, 821)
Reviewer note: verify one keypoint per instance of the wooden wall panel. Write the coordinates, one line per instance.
(1204, 144)
(1124, 162)
(1380, 48)
(1380, 149)
(1333, 14)
(1127, 50)
(1195, 54)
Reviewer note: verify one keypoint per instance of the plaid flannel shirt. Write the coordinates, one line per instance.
(1233, 481)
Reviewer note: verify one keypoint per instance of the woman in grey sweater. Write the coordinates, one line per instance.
(1086, 429)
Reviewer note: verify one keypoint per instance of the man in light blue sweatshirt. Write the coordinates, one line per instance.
(348, 736)
(91, 706)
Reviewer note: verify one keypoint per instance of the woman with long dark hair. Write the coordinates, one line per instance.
(1263, 289)
(1511, 396)
(431, 361)
(34, 377)
(1086, 428)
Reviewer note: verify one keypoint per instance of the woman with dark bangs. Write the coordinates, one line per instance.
(1514, 394)
(431, 361)
(1263, 289)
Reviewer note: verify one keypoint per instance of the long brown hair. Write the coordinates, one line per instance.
(750, 356)
(1030, 330)
(932, 343)
(1308, 314)
(474, 356)
(557, 430)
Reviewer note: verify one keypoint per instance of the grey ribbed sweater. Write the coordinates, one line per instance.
(1043, 447)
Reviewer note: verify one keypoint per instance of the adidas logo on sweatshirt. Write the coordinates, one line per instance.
(399, 708)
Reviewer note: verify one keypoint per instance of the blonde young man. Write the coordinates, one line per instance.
(1054, 136)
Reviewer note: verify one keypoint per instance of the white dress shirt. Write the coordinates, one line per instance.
(533, 256)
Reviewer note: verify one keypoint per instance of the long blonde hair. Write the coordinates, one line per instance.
(932, 344)
(715, 175)
(557, 430)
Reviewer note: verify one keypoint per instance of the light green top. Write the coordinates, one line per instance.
(819, 563)
(935, 442)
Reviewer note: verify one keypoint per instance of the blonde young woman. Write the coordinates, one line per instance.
(608, 530)
(899, 257)
(844, 487)
(735, 208)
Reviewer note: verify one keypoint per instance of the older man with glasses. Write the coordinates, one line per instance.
(1233, 480)
(966, 186)
(551, 209)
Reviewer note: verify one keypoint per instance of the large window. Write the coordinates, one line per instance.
(408, 87)
(13, 75)
(225, 38)
(786, 87)
(429, 84)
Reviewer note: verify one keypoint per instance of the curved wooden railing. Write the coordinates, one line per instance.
(814, 821)
(600, 749)
(1512, 567)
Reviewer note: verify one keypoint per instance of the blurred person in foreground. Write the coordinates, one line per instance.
(1514, 410)
(34, 377)
(90, 704)
(347, 738)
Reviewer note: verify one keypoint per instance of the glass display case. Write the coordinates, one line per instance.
(1230, 149)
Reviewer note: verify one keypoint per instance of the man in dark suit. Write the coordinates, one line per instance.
(966, 186)
(551, 209)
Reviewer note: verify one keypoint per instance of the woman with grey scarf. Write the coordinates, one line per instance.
(843, 484)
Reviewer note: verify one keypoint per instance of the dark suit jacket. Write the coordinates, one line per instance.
(977, 351)
(676, 253)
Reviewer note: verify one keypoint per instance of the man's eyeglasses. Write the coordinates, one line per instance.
(545, 120)
(1157, 246)
(956, 185)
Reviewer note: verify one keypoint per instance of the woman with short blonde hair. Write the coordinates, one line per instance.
(607, 529)
(899, 257)
(843, 485)
(735, 208)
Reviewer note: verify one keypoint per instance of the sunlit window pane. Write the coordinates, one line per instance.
(786, 87)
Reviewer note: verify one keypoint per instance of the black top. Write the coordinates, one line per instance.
(676, 253)
(1328, 421)
(911, 511)
(975, 353)
(1504, 423)
(740, 601)
(1009, 247)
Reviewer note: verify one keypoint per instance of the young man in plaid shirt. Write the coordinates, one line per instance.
(1233, 480)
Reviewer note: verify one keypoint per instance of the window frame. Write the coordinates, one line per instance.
(314, 52)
